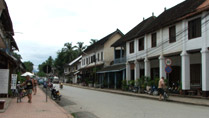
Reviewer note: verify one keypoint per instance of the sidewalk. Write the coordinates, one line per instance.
(177, 99)
(37, 109)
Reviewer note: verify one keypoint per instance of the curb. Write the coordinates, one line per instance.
(138, 95)
(62, 109)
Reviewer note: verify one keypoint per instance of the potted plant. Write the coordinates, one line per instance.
(141, 83)
(124, 85)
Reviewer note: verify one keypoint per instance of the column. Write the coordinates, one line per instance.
(205, 72)
(205, 58)
(185, 70)
(162, 66)
(136, 70)
(102, 80)
(108, 80)
(115, 78)
(124, 71)
(147, 67)
(128, 70)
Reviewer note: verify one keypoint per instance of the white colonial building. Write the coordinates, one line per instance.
(181, 34)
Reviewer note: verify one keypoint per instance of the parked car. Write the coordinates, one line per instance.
(40, 82)
(56, 80)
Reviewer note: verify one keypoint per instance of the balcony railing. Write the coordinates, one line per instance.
(120, 60)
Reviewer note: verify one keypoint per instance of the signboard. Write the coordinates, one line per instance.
(168, 69)
(168, 62)
(14, 81)
(4, 81)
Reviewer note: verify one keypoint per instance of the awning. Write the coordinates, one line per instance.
(113, 68)
(92, 66)
(76, 72)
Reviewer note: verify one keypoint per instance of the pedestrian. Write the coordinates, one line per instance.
(161, 85)
(35, 86)
(29, 87)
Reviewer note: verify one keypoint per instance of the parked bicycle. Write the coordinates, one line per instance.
(19, 93)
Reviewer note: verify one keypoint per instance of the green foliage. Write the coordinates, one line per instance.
(20, 78)
(124, 85)
(80, 47)
(65, 56)
(144, 81)
(29, 66)
(131, 82)
(41, 74)
(92, 41)
(17, 56)
(156, 80)
(49, 62)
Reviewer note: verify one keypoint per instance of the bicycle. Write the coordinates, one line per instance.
(19, 93)
(165, 96)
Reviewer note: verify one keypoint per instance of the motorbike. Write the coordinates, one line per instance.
(61, 85)
(55, 94)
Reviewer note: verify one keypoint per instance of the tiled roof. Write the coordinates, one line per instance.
(103, 40)
(172, 15)
(140, 27)
(168, 17)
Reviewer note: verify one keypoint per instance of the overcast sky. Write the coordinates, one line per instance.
(43, 26)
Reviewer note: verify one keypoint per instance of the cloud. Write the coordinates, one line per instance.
(48, 24)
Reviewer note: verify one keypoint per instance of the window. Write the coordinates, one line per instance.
(154, 40)
(172, 34)
(194, 28)
(131, 47)
(101, 56)
(87, 61)
(98, 56)
(93, 58)
(141, 44)
(83, 61)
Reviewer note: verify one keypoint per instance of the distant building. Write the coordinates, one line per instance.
(97, 56)
(72, 72)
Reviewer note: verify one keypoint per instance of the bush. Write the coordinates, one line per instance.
(156, 81)
(131, 82)
(124, 85)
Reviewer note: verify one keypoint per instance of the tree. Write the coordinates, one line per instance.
(80, 47)
(17, 56)
(29, 66)
(92, 41)
(49, 62)
(65, 56)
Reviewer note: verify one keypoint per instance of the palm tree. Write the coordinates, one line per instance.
(70, 52)
(80, 47)
(92, 41)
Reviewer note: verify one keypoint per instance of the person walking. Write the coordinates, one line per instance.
(161, 85)
(29, 87)
(35, 86)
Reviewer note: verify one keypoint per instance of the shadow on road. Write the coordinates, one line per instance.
(84, 115)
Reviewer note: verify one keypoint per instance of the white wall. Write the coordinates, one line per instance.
(163, 45)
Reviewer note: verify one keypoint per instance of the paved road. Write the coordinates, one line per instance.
(93, 104)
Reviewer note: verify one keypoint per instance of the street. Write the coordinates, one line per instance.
(85, 103)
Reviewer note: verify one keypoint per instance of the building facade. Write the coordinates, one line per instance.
(180, 34)
(97, 56)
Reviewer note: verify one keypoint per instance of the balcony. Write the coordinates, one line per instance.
(120, 60)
